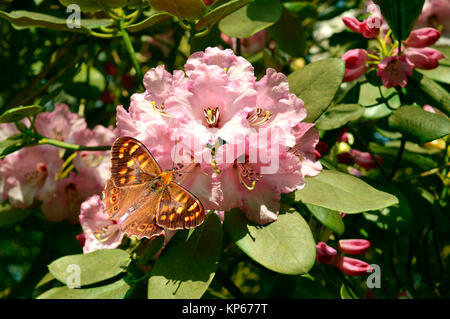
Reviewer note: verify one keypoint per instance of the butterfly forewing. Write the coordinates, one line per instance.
(142, 198)
(132, 163)
(179, 209)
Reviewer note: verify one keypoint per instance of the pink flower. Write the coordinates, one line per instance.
(422, 38)
(99, 231)
(394, 70)
(365, 159)
(352, 266)
(355, 64)
(435, 13)
(369, 28)
(424, 58)
(354, 246)
(250, 45)
(28, 174)
(325, 254)
(33, 172)
(219, 116)
(209, 2)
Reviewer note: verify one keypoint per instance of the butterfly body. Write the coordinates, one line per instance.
(144, 198)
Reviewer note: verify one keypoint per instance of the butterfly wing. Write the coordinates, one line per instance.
(132, 163)
(179, 209)
(134, 207)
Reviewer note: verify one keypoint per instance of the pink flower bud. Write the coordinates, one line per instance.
(394, 70)
(425, 58)
(352, 23)
(369, 28)
(422, 38)
(343, 136)
(81, 239)
(344, 158)
(352, 266)
(325, 254)
(354, 246)
(364, 159)
(355, 64)
(321, 147)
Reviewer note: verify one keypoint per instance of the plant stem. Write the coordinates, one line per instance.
(398, 158)
(74, 147)
(130, 49)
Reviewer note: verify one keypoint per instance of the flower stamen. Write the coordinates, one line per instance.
(160, 109)
(248, 177)
(212, 116)
(258, 117)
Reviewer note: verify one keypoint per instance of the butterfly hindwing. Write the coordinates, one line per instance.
(132, 163)
(179, 209)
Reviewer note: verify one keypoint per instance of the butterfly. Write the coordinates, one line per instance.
(144, 198)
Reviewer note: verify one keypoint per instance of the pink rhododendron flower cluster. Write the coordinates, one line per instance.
(392, 67)
(239, 141)
(35, 172)
(349, 266)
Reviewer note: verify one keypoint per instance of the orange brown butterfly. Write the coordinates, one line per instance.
(144, 198)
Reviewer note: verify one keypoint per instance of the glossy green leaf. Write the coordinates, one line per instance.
(289, 34)
(339, 115)
(396, 219)
(185, 9)
(94, 267)
(150, 21)
(256, 16)
(400, 15)
(95, 5)
(422, 87)
(285, 246)
(10, 215)
(343, 193)
(220, 12)
(316, 84)
(328, 217)
(17, 113)
(115, 290)
(187, 265)
(419, 124)
(21, 19)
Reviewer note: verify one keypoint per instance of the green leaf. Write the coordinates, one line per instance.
(347, 293)
(343, 193)
(421, 86)
(389, 153)
(95, 5)
(187, 9)
(10, 215)
(339, 115)
(17, 113)
(285, 245)
(400, 15)
(150, 21)
(12, 144)
(328, 217)
(302, 9)
(307, 288)
(96, 266)
(187, 265)
(289, 34)
(146, 256)
(396, 219)
(316, 84)
(21, 19)
(116, 290)
(220, 12)
(370, 94)
(256, 16)
(419, 124)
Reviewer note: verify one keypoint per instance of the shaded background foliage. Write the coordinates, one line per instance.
(410, 240)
